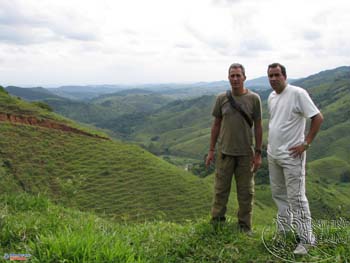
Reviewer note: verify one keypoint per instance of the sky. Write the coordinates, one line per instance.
(50, 43)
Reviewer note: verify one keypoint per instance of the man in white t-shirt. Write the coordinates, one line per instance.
(289, 107)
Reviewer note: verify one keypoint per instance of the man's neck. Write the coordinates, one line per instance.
(239, 92)
(281, 89)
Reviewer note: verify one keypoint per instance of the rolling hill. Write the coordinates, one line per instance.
(89, 172)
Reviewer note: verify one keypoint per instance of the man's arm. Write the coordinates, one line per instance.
(215, 130)
(315, 126)
(258, 133)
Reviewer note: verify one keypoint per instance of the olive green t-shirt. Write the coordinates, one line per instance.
(236, 136)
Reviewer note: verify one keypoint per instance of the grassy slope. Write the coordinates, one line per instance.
(15, 106)
(110, 177)
(49, 233)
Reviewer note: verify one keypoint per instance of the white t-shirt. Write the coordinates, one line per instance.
(288, 112)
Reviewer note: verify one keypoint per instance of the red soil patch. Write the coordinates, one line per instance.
(30, 120)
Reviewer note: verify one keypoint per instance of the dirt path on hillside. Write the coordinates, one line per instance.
(30, 120)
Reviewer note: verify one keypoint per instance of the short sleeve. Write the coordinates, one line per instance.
(307, 106)
(257, 113)
(217, 112)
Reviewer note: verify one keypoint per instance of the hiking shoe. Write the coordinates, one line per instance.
(302, 249)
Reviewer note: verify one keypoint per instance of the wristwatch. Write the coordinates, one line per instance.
(306, 145)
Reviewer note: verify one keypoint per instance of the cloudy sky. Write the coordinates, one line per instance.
(51, 43)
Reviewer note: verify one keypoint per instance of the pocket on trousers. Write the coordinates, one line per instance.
(221, 163)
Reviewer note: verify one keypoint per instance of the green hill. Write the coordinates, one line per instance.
(90, 173)
(331, 91)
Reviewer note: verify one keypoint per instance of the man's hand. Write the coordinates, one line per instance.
(256, 162)
(210, 158)
(297, 151)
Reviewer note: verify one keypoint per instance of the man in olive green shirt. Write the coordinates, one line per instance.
(236, 153)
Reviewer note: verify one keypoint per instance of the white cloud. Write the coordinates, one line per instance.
(38, 24)
(88, 41)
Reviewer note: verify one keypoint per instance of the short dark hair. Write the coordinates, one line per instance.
(237, 65)
(275, 65)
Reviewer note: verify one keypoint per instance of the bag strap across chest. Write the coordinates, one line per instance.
(238, 108)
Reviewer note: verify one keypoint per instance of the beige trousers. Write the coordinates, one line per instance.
(287, 179)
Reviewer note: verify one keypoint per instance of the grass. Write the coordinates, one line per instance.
(109, 177)
(50, 233)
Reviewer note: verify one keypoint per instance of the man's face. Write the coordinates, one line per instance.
(236, 78)
(277, 80)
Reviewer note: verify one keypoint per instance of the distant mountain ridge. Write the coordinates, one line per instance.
(31, 94)
(323, 77)
(173, 90)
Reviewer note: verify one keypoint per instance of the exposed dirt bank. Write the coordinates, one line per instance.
(30, 120)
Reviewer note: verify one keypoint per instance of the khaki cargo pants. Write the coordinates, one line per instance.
(239, 167)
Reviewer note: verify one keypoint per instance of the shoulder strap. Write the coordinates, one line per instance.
(238, 108)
